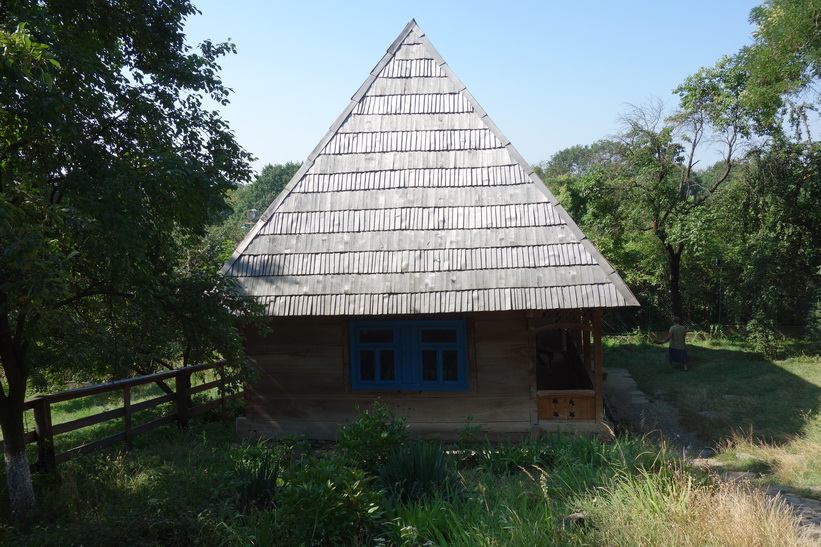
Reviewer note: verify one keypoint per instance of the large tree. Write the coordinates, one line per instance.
(110, 167)
(775, 204)
(640, 196)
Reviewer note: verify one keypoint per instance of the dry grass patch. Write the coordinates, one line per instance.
(797, 463)
(671, 508)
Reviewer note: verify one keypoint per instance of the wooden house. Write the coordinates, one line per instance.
(416, 258)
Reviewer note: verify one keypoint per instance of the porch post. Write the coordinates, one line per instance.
(597, 357)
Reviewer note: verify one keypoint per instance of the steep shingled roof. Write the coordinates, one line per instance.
(415, 202)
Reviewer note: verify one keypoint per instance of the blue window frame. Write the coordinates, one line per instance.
(413, 354)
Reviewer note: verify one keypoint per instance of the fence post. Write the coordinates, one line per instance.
(183, 385)
(45, 434)
(127, 417)
(219, 369)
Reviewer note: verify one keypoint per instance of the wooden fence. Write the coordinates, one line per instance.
(44, 431)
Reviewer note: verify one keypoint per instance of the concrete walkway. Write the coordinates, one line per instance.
(635, 412)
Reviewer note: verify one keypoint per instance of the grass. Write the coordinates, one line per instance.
(762, 415)
(191, 487)
(66, 411)
(204, 486)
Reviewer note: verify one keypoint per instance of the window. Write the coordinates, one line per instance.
(418, 355)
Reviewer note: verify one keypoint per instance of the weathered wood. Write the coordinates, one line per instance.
(45, 430)
(86, 421)
(567, 405)
(405, 240)
(151, 403)
(439, 302)
(401, 261)
(414, 180)
(127, 434)
(45, 434)
(599, 365)
(90, 447)
(85, 391)
(182, 398)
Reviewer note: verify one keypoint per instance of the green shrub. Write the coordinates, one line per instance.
(369, 439)
(325, 502)
(764, 339)
(470, 434)
(257, 482)
(417, 470)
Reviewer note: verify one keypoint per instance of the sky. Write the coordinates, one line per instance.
(550, 74)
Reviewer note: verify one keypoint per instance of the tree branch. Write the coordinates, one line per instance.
(91, 292)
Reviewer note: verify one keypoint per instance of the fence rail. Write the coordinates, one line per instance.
(44, 431)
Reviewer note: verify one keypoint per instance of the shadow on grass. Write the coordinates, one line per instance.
(728, 390)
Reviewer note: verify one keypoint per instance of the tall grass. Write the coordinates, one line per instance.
(672, 509)
(203, 486)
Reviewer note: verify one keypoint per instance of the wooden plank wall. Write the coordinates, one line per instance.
(303, 385)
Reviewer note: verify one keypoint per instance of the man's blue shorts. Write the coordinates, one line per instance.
(677, 355)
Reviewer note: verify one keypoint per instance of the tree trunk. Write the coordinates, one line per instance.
(12, 396)
(18, 477)
(674, 278)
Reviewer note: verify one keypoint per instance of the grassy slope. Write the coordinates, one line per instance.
(739, 401)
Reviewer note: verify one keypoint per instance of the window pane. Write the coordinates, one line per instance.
(429, 365)
(366, 368)
(386, 370)
(450, 366)
(376, 336)
(439, 336)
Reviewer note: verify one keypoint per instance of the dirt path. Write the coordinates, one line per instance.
(634, 411)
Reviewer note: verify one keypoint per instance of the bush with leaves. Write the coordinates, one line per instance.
(325, 502)
(369, 439)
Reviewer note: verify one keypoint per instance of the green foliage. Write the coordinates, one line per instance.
(717, 244)
(814, 320)
(111, 169)
(248, 203)
(470, 434)
(325, 502)
(783, 62)
(416, 471)
(257, 482)
(770, 218)
(180, 487)
(372, 436)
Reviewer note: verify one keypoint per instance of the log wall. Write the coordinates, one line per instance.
(303, 386)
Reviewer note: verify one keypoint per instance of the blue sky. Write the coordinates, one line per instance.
(550, 74)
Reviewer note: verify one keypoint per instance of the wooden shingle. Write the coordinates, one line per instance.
(415, 202)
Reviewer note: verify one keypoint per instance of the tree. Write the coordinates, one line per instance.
(640, 202)
(775, 204)
(110, 168)
(248, 203)
(784, 65)
(772, 228)
(752, 215)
